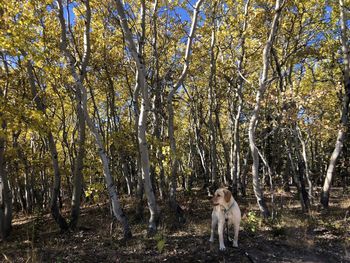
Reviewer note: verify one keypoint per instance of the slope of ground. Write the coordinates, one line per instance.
(321, 236)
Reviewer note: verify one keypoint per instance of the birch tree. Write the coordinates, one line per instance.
(79, 85)
(174, 89)
(60, 220)
(212, 98)
(345, 107)
(5, 193)
(142, 122)
(235, 120)
(263, 84)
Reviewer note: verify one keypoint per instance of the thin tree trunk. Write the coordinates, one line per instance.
(255, 115)
(79, 164)
(28, 197)
(28, 187)
(68, 154)
(225, 147)
(18, 191)
(199, 146)
(142, 123)
(235, 148)
(298, 180)
(116, 208)
(345, 109)
(306, 163)
(140, 183)
(5, 193)
(55, 209)
(157, 103)
(173, 152)
(272, 189)
(126, 173)
(244, 173)
(212, 100)
(236, 164)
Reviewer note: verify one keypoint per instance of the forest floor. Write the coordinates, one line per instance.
(320, 236)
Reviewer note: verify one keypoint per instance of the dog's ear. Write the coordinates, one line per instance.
(227, 195)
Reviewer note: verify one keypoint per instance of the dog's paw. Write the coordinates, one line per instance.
(235, 244)
(222, 248)
(211, 240)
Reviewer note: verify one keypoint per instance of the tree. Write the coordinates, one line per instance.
(176, 95)
(235, 120)
(345, 108)
(174, 89)
(116, 208)
(142, 122)
(54, 155)
(5, 193)
(263, 84)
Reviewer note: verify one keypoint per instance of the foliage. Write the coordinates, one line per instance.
(161, 242)
(252, 222)
(304, 94)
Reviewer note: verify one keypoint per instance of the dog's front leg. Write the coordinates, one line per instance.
(236, 230)
(221, 234)
(214, 221)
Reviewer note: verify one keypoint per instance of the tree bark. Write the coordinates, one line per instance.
(212, 102)
(235, 154)
(142, 123)
(173, 152)
(116, 207)
(306, 163)
(5, 193)
(27, 205)
(54, 205)
(157, 103)
(298, 178)
(345, 109)
(79, 164)
(255, 115)
(56, 188)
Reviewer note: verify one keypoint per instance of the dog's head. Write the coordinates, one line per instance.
(222, 196)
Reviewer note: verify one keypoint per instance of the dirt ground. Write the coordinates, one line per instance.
(320, 236)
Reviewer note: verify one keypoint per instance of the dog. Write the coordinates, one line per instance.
(225, 210)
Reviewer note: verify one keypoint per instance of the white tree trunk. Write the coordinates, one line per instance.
(142, 123)
(255, 115)
(345, 109)
(173, 154)
(235, 156)
(79, 164)
(54, 155)
(212, 101)
(304, 154)
(116, 207)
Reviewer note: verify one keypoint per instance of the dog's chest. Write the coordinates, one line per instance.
(222, 214)
(228, 216)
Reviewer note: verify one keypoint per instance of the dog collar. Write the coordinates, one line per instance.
(226, 210)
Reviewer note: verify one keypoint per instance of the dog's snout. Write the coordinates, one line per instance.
(214, 200)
